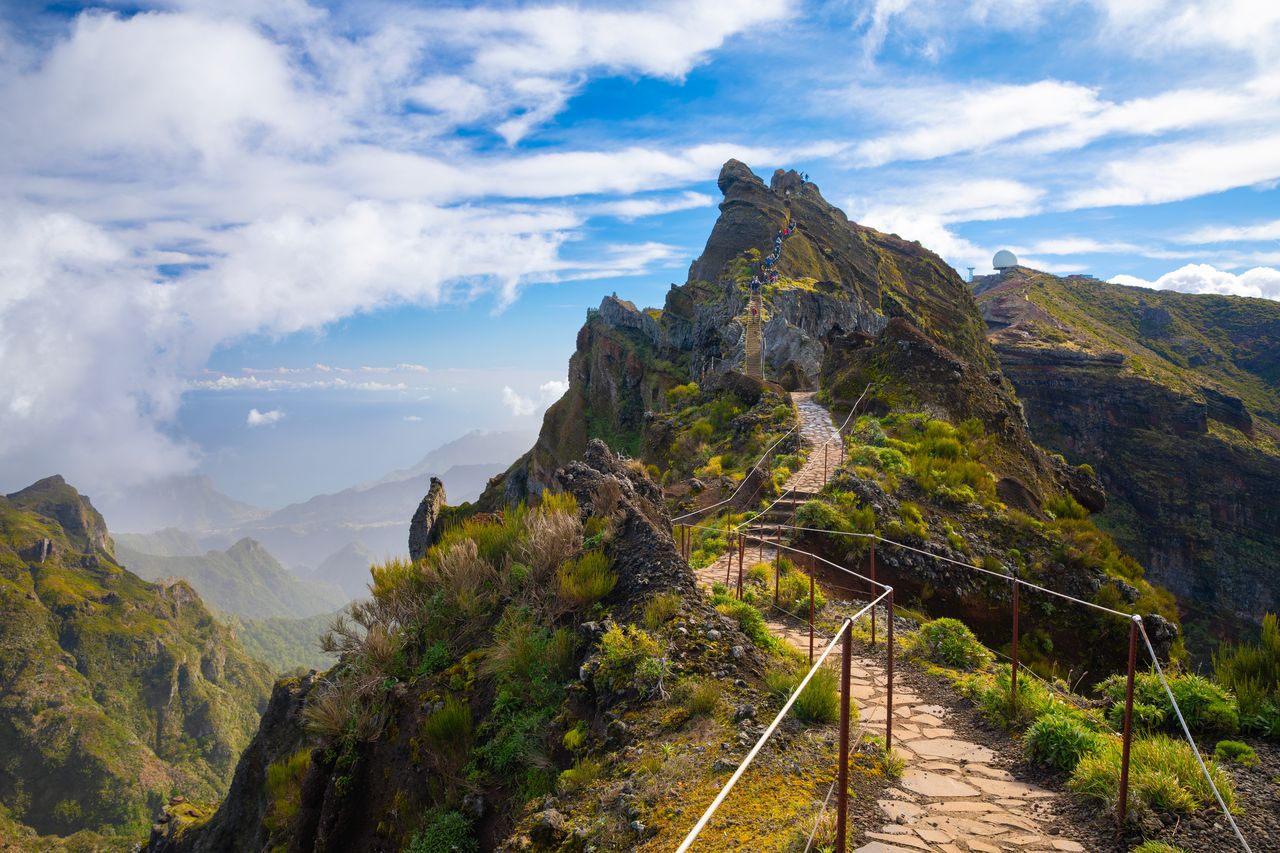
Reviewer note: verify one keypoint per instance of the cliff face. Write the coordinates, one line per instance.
(116, 693)
(1173, 398)
(837, 279)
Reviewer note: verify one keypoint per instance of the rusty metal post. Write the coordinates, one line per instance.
(777, 571)
(742, 547)
(810, 610)
(888, 680)
(825, 448)
(1013, 673)
(873, 591)
(1128, 721)
(728, 570)
(842, 782)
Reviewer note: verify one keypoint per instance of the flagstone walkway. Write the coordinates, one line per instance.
(951, 797)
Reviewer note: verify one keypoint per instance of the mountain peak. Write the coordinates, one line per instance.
(54, 498)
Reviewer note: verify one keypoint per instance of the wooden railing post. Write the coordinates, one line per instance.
(777, 569)
(888, 680)
(873, 591)
(728, 570)
(810, 610)
(742, 547)
(1128, 720)
(1013, 672)
(842, 781)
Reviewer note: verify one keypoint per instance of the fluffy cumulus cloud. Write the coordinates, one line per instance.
(1203, 278)
(523, 406)
(198, 173)
(267, 418)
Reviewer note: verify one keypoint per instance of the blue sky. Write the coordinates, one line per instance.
(294, 245)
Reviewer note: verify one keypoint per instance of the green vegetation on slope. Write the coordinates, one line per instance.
(286, 644)
(117, 692)
(244, 580)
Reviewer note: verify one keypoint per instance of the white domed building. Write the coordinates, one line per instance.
(1004, 259)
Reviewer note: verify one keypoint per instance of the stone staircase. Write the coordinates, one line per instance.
(753, 360)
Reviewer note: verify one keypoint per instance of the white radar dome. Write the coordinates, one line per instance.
(1004, 259)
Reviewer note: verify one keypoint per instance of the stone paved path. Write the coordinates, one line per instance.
(951, 797)
(817, 430)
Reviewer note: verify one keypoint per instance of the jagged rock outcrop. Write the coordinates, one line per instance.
(370, 795)
(424, 527)
(1174, 398)
(837, 279)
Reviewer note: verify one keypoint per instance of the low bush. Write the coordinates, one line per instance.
(949, 641)
(660, 609)
(761, 573)
(1207, 708)
(820, 701)
(750, 620)
(1060, 739)
(583, 774)
(700, 698)
(1236, 751)
(284, 790)
(630, 657)
(575, 738)
(1065, 506)
(444, 832)
(587, 579)
(1251, 671)
(1163, 775)
(991, 693)
(793, 593)
(1156, 847)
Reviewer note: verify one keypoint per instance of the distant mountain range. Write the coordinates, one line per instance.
(329, 540)
(244, 580)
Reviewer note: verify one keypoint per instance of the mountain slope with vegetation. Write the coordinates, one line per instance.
(1174, 399)
(244, 580)
(115, 693)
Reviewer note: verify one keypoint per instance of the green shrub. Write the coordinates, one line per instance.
(793, 593)
(700, 698)
(750, 621)
(588, 579)
(820, 701)
(629, 657)
(284, 790)
(1146, 718)
(991, 693)
(660, 609)
(444, 832)
(1066, 506)
(761, 573)
(1252, 672)
(1205, 706)
(1234, 750)
(575, 738)
(1060, 739)
(949, 641)
(581, 775)
(1163, 774)
(1156, 847)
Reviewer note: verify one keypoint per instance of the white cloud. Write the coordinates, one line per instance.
(522, 406)
(519, 406)
(1231, 233)
(553, 389)
(1077, 246)
(257, 419)
(635, 208)
(413, 419)
(1183, 170)
(1261, 282)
